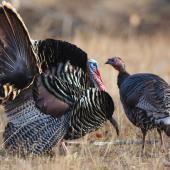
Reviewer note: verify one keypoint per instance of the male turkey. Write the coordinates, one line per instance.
(145, 98)
(48, 94)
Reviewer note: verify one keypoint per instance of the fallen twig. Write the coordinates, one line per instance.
(116, 142)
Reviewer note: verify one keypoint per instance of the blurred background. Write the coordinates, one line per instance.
(65, 18)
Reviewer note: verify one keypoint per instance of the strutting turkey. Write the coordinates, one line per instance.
(47, 89)
(145, 98)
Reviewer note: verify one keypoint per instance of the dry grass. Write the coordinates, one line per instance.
(141, 55)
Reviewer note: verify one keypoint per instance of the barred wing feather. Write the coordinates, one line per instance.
(64, 60)
(89, 113)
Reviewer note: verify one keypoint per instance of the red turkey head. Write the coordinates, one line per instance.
(117, 63)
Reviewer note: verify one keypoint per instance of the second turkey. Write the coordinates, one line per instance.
(145, 98)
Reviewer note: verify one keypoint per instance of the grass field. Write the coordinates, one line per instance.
(141, 54)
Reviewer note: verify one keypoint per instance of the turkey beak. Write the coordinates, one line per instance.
(108, 61)
(115, 125)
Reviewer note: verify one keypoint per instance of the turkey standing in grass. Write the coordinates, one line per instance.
(48, 93)
(145, 98)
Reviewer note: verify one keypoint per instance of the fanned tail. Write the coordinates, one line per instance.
(17, 60)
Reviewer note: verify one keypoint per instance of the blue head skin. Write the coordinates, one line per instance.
(94, 73)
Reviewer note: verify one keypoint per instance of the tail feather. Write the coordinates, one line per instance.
(17, 60)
